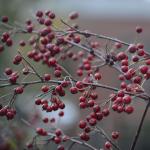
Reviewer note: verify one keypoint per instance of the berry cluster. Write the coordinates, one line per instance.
(50, 45)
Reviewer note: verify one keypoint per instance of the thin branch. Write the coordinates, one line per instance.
(102, 132)
(96, 35)
(83, 143)
(84, 48)
(31, 67)
(71, 138)
(140, 127)
(139, 95)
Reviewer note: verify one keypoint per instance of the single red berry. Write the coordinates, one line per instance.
(58, 132)
(121, 56)
(73, 15)
(139, 29)
(96, 108)
(127, 99)
(87, 67)
(57, 73)
(120, 93)
(129, 109)
(120, 109)
(84, 136)
(47, 77)
(91, 103)
(45, 120)
(29, 145)
(118, 45)
(19, 90)
(141, 52)
(57, 140)
(39, 13)
(4, 19)
(132, 48)
(135, 58)
(39, 131)
(45, 88)
(73, 90)
(61, 113)
(108, 145)
(59, 89)
(22, 43)
(92, 121)
(38, 102)
(97, 76)
(105, 112)
(143, 69)
(8, 71)
(17, 59)
(115, 135)
(9, 42)
(79, 72)
(147, 62)
(82, 124)
(79, 84)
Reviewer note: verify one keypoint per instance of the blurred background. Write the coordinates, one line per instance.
(114, 18)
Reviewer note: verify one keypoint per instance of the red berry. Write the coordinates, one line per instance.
(39, 13)
(57, 140)
(115, 135)
(127, 99)
(108, 145)
(105, 112)
(57, 73)
(19, 90)
(143, 69)
(129, 109)
(92, 122)
(73, 90)
(139, 29)
(84, 136)
(8, 71)
(38, 102)
(141, 52)
(4, 19)
(45, 120)
(73, 15)
(61, 113)
(58, 132)
(97, 76)
(121, 56)
(118, 45)
(132, 48)
(82, 124)
(79, 84)
(17, 59)
(45, 88)
(147, 62)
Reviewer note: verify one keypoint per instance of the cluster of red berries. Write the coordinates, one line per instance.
(9, 113)
(49, 46)
(50, 105)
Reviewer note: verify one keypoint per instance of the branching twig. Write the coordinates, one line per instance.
(102, 132)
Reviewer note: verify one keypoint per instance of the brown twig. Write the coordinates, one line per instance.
(140, 127)
(102, 132)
